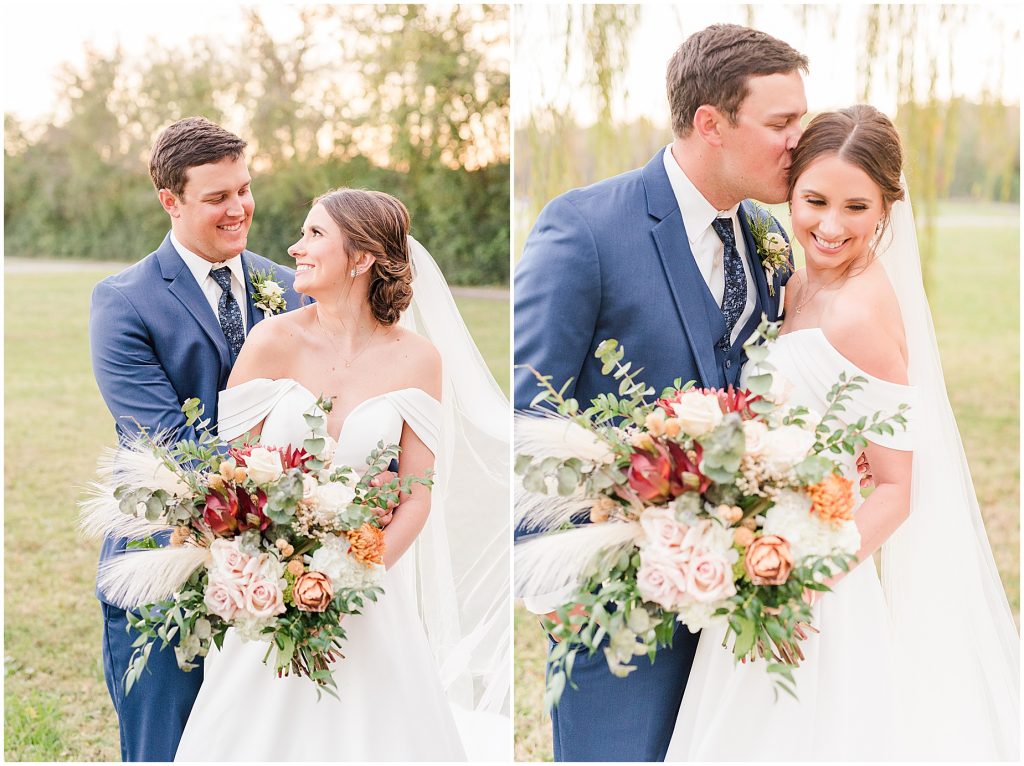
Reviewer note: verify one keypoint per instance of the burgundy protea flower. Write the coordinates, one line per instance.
(686, 473)
(650, 476)
(221, 513)
(251, 507)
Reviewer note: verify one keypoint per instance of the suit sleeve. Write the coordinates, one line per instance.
(557, 299)
(129, 374)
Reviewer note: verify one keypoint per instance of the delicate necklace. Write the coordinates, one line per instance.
(818, 289)
(330, 338)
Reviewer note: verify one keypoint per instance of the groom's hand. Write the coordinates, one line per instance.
(576, 611)
(384, 516)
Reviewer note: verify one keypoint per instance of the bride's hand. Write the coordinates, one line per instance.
(385, 516)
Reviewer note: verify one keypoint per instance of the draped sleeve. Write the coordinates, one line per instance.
(241, 408)
(421, 412)
(875, 395)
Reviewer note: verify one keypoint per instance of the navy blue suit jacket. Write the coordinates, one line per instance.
(155, 342)
(612, 260)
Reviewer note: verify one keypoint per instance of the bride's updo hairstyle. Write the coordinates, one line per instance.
(860, 135)
(376, 223)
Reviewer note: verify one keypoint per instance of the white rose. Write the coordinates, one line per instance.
(787, 445)
(661, 527)
(775, 243)
(272, 289)
(754, 431)
(334, 497)
(263, 465)
(780, 390)
(309, 487)
(330, 559)
(698, 413)
(330, 447)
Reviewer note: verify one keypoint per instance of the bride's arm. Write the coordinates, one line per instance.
(869, 338)
(415, 460)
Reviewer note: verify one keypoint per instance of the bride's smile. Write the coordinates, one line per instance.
(836, 212)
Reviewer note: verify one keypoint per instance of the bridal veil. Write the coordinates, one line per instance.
(957, 646)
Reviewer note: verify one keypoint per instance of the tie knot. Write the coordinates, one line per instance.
(723, 228)
(222, 277)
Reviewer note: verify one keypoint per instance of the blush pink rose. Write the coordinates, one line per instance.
(223, 599)
(661, 578)
(229, 561)
(264, 599)
(709, 578)
(661, 527)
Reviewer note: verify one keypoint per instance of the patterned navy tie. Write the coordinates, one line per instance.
(734, 300)
(228, 312)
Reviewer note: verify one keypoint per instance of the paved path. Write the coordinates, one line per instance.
(50, 266)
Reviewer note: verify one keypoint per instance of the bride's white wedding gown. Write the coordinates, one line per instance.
(848, 685)
(392, 705)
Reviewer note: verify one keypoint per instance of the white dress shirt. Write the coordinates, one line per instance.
(201, 268)
(708, 250)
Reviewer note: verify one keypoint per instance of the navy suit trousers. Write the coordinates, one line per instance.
(152, 717)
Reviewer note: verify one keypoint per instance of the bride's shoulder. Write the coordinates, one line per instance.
(267, 349)
(864, 324)
(417, 359)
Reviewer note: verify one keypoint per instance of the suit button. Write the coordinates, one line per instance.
(728, 363)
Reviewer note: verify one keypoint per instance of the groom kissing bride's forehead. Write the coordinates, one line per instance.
(670, 247)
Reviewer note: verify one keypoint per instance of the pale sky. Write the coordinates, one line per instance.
(38, 36)
(539, 56)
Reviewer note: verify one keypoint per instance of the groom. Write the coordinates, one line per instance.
(163, 330)
(663, 259)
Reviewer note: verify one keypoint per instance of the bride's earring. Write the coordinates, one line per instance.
(355, 273)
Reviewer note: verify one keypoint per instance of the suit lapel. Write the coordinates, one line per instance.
(255, 315)
(764, 305)
(184, 287)
(684, 278)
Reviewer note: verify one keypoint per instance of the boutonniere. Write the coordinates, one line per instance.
(772, 247)
(268, 294)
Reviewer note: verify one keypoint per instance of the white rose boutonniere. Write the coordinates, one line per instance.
(772, 248)
(268, 293)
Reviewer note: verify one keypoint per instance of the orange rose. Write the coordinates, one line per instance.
(312, 592)
(769, 560)
(367, 544)
(832, 499)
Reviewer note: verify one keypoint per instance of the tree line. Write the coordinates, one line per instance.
(406, 99)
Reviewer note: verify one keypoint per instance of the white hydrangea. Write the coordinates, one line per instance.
(807, 534)
(330, 558)
(697, 616)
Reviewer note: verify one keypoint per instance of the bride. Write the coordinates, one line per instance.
(922, 663)
(425, 673)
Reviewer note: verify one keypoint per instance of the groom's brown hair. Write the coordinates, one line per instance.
(185, 144)
(713, 66)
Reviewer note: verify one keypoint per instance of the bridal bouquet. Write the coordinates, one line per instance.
(708, 507)
(272, 541)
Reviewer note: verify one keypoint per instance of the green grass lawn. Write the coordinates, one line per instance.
(56, 705)
(974, 297)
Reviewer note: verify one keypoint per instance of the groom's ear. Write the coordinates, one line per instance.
(169, 202)
(707, 122)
